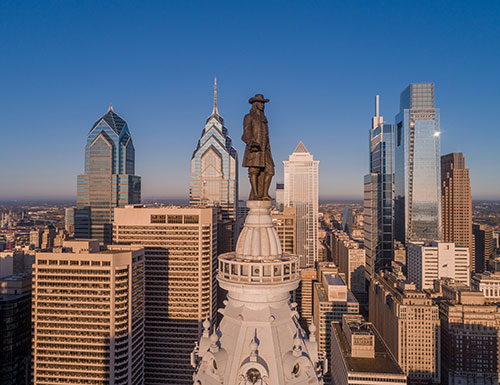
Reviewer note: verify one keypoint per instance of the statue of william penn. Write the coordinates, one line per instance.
(258, 156)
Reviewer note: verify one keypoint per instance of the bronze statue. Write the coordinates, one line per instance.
(258, 156)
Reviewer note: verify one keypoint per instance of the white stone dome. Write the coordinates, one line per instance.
(258, 240)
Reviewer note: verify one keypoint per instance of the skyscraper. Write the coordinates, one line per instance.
(456, 202)
(181, 289)
(301, 192)
(417, 205)
(378, 197)
(109, 179)
(88, 315)
(483, 246)
(214, 171)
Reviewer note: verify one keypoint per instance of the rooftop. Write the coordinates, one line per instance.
(382, 363)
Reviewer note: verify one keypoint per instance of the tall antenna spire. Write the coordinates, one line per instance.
(377, 120)
(215, 110)
(376, 105)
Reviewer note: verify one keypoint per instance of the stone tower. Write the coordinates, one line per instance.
(259, 340)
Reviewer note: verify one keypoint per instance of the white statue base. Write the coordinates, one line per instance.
(259, 340)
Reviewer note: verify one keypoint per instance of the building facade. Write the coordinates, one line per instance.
(285, 223)
(469, 338)
(427, 262)
(88, 315)
(408, 321)
(483, 246)
(456, 202)
(15, 330)
(378, 197)
(109, 179)
(301, 192)
(352, 265)
(417, 178)
(488, 283)
(214, 171)
(332, 299)
(360, 356)
(181, 289)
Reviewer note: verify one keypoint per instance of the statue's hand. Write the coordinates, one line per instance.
(255, 147)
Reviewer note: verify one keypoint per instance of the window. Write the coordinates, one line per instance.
(190, 218)
(158, 218)
(175, 219)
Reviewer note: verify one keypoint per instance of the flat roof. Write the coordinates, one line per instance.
(382, 363)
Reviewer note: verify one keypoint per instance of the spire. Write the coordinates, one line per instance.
(377, 120)
(110, 108)
(301, 148)
(215, 110)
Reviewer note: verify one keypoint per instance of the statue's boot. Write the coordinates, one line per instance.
(253, 183)
(266, 185)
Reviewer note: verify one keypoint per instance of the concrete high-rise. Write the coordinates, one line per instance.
(285, 223)
(378, 197)
(109, 179)
(214, 172)
(430, 261)
(456, 202)
(15, 330)
(408, 321)
(88, 315)
(469, 337)
(352, 259)
(181, 289)
(483, 246)
(301, 192)
(360, 356)
(417, 178)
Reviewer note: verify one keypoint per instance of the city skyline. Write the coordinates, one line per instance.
(160, 93)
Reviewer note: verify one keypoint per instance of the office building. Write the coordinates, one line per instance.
(360, 356)
(304, 295)
(488, 283)
(214, 172)
(483, 246)
(417, 178)
(347, 220)
(15, 330)
(36, 238)
(352, 265)
(332, 299)
(336, 240)
(88, 315)
(429, 261)
(285, 223)
(69, 219)
(408, 321)
(242, 213)
(181, 288)
(15, 262)
(378, 197)
(259, 340)
(301, 192)
(280, 195)
(456, 202)
(108, 180)
(469, 337)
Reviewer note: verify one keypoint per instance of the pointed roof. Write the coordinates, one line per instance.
(113, 120)
(301, 148)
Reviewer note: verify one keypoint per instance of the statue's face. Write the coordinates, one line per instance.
(260, 106)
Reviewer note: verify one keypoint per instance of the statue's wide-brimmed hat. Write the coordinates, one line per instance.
(258, 98)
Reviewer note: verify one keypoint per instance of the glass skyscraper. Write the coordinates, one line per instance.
(214, 175)
(109, 179)
(417, 209)
(378, 197)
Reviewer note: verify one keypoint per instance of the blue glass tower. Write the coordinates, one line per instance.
(109, 179)
(417, 209)
(378, 197)
(214, 176)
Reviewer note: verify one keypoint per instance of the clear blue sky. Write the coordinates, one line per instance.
(320, 62)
